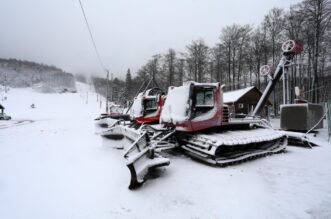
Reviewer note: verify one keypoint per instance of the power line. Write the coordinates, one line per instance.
(91, 35)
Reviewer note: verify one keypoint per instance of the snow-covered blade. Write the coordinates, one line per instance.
(120, 131)
(141, 158)
(105, 122)
(142, 155)
(114, 133)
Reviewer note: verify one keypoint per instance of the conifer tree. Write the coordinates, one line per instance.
(128, 86)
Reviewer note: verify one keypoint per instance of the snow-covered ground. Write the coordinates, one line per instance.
(52, 165)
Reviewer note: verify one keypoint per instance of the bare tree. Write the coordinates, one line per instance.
(197, 58)
(257, 49)
(170, 62)
(235, 40)
(217, 57)
(180, 66)
(318, 15)
(236, 59)
(243, 50)
(275, 25)
(228, 38)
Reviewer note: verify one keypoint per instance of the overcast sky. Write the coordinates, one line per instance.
(127, 32)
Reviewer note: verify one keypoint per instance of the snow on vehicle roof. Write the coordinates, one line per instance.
(187, 83)
(174, 109)
(233, 96)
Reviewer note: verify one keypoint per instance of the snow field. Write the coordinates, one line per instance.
(56, 167)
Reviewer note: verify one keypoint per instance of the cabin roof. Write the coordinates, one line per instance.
(234, 96)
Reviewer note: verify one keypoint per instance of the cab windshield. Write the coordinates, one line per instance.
(150, 106)
(203, 100)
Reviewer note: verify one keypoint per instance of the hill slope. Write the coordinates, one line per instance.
(44, 78)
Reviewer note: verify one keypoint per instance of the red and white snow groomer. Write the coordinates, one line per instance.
(194, 119)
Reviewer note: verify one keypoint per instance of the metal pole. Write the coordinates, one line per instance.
(287, 88)
(270, 87)
(111, 88)
(284, 85)
(107, 91)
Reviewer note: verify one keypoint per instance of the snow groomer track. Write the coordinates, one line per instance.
(231, 147)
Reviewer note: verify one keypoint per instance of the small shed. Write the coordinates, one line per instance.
(2, 108)
(243, 101)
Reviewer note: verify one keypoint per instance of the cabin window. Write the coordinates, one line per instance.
(150, 106)
(203, 102)
(204, 98)
(241, 106)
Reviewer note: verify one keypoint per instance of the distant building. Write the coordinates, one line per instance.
(242, 102)
(2, 108)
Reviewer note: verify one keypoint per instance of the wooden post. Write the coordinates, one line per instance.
(328, 118)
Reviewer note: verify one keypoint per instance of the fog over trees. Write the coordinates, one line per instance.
(241, 50)
(44, 78)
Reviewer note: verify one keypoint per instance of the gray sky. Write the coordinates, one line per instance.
(127, 32)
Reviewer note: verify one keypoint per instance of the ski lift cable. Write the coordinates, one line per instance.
(92, 38)
(318, 88)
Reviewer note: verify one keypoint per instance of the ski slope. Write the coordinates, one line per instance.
(53, 165)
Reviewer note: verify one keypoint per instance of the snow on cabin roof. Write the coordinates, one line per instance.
(233, 96)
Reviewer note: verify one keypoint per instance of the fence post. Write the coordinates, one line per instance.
(328, 118)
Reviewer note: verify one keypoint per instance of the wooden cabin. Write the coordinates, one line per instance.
(242, 102)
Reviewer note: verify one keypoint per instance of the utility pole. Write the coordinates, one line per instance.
(107, 90)
(111, 88)
(285, 84)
